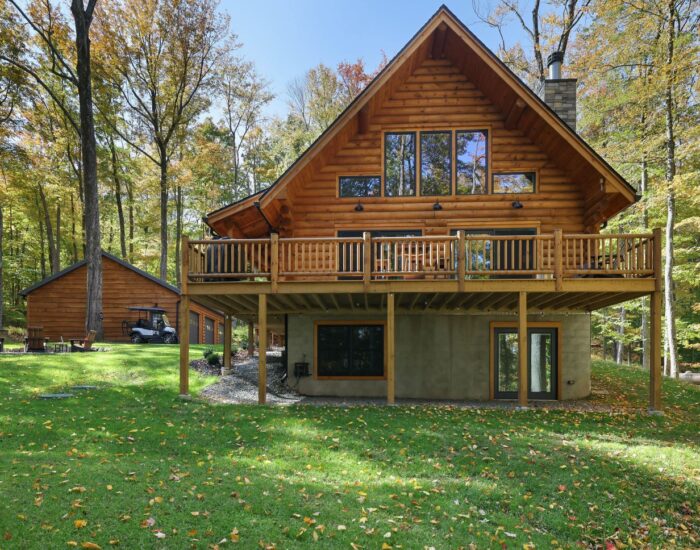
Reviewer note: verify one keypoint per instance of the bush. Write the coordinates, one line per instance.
(207, 352)
(13, 334)
(213, 359)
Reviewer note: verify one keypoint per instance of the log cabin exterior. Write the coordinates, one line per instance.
(441, 239)
(57, 303)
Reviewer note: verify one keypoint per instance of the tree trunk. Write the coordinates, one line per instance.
(130, 196)
(72, 229)
(178, 232)
(644, 183)
(670, 195)
(53, 264)
(118, 198)
(619, 345)
(42, 243)
(163, 214)
(2, 293)
(58, 238)
(93, 251)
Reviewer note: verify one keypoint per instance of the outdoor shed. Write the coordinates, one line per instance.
(58, 303)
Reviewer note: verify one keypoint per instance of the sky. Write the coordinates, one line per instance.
(285, 38)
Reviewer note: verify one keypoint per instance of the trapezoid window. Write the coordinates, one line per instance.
(514, 182)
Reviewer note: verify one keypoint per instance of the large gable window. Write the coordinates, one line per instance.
(471, 156)
(350, 350)
(359, 186)
(514, 182)
(435, 163)
(400, 164)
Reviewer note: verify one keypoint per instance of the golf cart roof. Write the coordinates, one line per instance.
(146, 308)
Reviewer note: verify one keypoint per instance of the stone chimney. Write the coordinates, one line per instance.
(560, 93)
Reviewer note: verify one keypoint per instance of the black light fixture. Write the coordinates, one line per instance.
(517, 204)
(437, 206)
(359, 207)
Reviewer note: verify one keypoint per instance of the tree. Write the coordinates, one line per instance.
(245, 95)
(43, 20)
(549, 24)
(162, 57)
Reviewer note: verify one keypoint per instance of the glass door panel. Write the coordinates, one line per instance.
(542, 363)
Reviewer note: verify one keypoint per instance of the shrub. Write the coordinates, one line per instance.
(207, 352)
(213, 359)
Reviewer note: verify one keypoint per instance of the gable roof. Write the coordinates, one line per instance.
(81, 263)
(481, 60)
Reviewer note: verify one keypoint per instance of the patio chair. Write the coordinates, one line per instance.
(83, 344)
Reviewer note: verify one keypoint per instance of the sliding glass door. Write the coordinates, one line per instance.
(541, 367)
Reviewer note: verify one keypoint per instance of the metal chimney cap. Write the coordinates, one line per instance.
(555, 57)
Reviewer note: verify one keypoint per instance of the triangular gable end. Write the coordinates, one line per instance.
(605, 191)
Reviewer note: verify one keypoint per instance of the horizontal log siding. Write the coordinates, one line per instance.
(436, 96)
(59, 306)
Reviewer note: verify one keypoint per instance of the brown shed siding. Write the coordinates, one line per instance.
(59, 306)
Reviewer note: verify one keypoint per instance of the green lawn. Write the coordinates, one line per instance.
(132, 465)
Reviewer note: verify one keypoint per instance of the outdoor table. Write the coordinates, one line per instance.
(61, 347)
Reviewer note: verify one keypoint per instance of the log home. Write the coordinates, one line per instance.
(441, 239)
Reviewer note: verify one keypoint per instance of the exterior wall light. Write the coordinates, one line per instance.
(517, 204)
(437, 206)
(359, 207)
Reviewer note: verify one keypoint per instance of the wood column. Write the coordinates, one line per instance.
(390, 350)
(227, 345)
(522, 349)
(655, 347)
(251, 339)
(262, 348)
(655, 352)
(184, 325)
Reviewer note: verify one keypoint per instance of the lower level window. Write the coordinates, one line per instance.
(349, 351)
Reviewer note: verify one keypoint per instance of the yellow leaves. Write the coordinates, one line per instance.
(90, 546)
(109, 487)
(386, 546)
(79, 489)
(234, 536)
(80, 523)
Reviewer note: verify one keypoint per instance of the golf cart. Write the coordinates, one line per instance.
(152, 327)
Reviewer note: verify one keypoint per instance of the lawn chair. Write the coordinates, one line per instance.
(34, 340)
(83, 344)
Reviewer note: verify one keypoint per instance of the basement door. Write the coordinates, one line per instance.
(541, 364)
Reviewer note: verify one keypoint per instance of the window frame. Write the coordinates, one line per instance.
(362, 176)
(347, 322)
(416, 153)
(451, 133)
(511, 172)
(487, 177)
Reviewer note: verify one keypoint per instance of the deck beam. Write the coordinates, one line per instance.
(391, 350)
(522, 349)
(262, 349)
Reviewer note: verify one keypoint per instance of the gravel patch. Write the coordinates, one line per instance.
(241, 387)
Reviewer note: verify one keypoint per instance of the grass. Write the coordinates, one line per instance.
(132, 465)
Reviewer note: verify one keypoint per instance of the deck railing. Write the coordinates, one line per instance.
(462, 256)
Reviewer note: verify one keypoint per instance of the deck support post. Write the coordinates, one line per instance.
(461, 260)
(226, 369)
(558, 260)
(184, 324)
(390, 349)
(251, 338)
(522, 349)
(655, 305)
(262, 348)
(366, 259)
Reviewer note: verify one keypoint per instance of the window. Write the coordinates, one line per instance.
(515, 182)
(400, 164)
(436, 163)
(471, 154)
(359, 186)
(347, 351)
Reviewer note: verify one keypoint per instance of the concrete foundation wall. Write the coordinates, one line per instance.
(442, 356)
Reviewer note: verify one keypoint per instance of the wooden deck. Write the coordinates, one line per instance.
(460, 272)
(452, 274)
